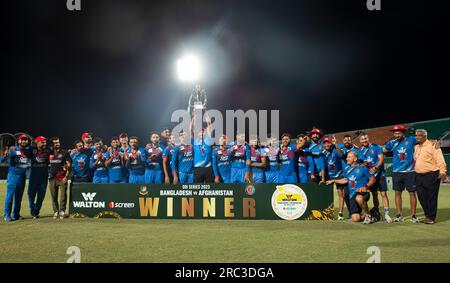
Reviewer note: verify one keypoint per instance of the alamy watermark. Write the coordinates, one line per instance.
(255, 123)
(73, 5)
(75, 254)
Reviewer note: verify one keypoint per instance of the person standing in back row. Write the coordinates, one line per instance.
(430, 170)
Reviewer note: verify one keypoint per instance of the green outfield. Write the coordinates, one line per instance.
(110, 240)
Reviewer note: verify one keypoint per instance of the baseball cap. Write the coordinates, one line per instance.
(39, 139)
(84, 135)
(400, 128)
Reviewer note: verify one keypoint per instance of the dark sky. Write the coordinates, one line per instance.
(332, 64)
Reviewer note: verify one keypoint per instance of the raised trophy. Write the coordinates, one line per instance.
(198, 99)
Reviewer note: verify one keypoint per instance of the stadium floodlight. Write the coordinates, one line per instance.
(189, 68)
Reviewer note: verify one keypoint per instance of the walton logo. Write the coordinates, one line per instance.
(88, 196)
(89, 201)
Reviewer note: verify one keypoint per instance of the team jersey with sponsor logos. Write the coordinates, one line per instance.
(168, 153)
(39, 162)
(403, 154)
(153, 157)
(97, 164)
(357, 177)
(370, 156)
(221, 161)
(304, 165)
(272, 155)
(57, 161)
(202, 151)
(288, 160)
(183, 158)
(239, 154)
(19, 159)
(135, 163)
(80, 162)
(256, 155)
(333, 163)
(316, 151)
(116, 167)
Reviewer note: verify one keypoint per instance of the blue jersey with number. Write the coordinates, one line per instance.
(288, 160)
(256, 155)
(183, 159)
(202, 151)
(357, 177)
(403, 152)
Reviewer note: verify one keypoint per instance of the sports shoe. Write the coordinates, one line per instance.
(61, 215)
(428, 221)
(36, 217)
(387, 218)
(17, 218)
(399, 218)
(7, 219)
(340, 216)
(414, 219)
(55, 215)
(375, 214)
(367, 219)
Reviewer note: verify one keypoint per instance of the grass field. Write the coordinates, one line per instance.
(111, 240)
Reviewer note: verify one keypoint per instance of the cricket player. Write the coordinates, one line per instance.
(334, 169)
(153, 161)
(80, 157)
(183, 162)
(288, 159)
(37, 185)
(134, 161)
(305, 164)
(60, 168)
(202, 145)
(403, 170)
(98, 163)
(18, 158)
(257, 161)
(115, 163)
(221, 161)
(239, 152)
(271, 151)
(124, 147)
(315, 148)
(359, 181)
(373, 157)
(167, 160)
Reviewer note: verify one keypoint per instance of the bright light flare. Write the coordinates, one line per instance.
(189, 68)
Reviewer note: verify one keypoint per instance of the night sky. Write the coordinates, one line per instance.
(111, 67)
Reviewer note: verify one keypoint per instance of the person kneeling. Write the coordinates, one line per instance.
(359, 180)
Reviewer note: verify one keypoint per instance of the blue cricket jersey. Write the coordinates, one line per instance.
(202, 151)
(272, 155)
(316, 151)
(370, 156)
(153, 157)
(221, 161)
(136, 162)
(287, 158)
(80, 162)
(256, 155)
(18, 160)
(115, 169)
(183, 159)
(333, 163)
(403, 152)
(239, 156)
(97, 164)
(357, 177)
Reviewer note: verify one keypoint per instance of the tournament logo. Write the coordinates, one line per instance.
(143, 190)
(289, 201)
(250, 190)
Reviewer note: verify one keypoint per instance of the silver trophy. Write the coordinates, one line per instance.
(198, 99)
